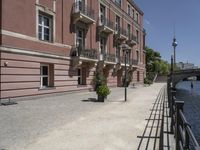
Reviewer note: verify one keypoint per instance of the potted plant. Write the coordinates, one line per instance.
(102, 92)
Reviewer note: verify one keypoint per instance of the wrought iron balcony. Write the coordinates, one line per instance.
(134, 62)
(132, 40)
(81, 12)
(105, 25)
(121, 34)
(83, 53)
(110, 58)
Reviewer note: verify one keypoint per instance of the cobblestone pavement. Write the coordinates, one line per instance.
(73, 121)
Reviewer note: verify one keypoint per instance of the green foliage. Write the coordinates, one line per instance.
(154, 64)
(147, 81)
(103, 90)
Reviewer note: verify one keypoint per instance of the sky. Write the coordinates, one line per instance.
(160, 19)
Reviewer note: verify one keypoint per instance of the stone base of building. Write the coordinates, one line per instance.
(21, 75)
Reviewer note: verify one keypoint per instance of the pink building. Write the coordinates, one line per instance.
(54, 46)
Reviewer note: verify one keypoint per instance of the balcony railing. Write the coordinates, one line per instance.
(82, 8)
(85, 53)
(110, 58)
(106, 22)
(134, 62)
(120, 31)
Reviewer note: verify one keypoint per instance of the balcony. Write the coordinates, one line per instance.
(121, 34)
(132, 40)
(105, 25)
(80, 55)
(81, 12)
(110, 58)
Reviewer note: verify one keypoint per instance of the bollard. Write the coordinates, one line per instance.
(179, 106)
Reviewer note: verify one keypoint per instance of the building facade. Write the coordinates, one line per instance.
(53, 46)
(184, 66)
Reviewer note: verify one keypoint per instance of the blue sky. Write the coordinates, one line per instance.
(159, 19)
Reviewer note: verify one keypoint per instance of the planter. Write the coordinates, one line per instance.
(101, 98)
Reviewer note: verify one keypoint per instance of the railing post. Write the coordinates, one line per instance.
(179, 106)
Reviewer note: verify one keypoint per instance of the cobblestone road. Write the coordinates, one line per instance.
(73, 122)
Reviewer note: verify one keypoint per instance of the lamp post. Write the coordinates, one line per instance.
(174, 44)
(126, 49)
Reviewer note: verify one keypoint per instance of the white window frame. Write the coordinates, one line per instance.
(42, 76)
(50, 27)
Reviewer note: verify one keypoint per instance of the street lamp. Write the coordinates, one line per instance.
(126, 49)
(174, 44)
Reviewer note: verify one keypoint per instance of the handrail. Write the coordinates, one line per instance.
(185, 139)
(105, 21)
(84, 9)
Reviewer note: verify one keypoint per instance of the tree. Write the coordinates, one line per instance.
(155, 64)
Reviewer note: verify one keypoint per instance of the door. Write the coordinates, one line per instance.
(102, 48)
(80, 40)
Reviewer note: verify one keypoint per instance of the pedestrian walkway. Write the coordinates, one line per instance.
(76, 121)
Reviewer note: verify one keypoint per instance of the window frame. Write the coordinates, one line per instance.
(44, 16)
(44, 76)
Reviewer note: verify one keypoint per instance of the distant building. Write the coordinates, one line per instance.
(187, 65)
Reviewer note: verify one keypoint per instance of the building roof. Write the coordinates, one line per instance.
(134, 5)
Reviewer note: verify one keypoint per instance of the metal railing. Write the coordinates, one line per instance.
(86, 53)
(134, 62)
(185, 139)
(84, 9)
(121, 31)
(132, 37)
(105, 21)
(110, 57)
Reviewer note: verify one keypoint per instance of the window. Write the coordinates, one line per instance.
(117, 53)
(80, 40)
(102, 14)
(138, 76)
(102, 47)
(137, 35)
(118, 2)
(45, 27)
(81, 76)
(137, 17)
(133, 13)
(137, 56)
(117, 23)
(129, 10)
(46, 75)
(129, 30)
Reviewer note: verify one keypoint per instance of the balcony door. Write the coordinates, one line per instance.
(117, 23)
(102, 14)
(80, 5)
(102, 47)
(118, 53)
(80, 40)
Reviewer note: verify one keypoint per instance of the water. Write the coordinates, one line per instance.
(191, 98)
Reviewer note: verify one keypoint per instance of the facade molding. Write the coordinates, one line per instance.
(31, 53)
(30, 38)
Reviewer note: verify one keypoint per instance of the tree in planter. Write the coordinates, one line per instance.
(98, 80)
(102, 92)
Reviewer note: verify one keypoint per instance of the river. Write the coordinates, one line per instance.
(191, 98)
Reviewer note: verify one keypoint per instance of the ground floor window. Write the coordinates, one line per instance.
(138, 76)
(81, 72)
(46, 75)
